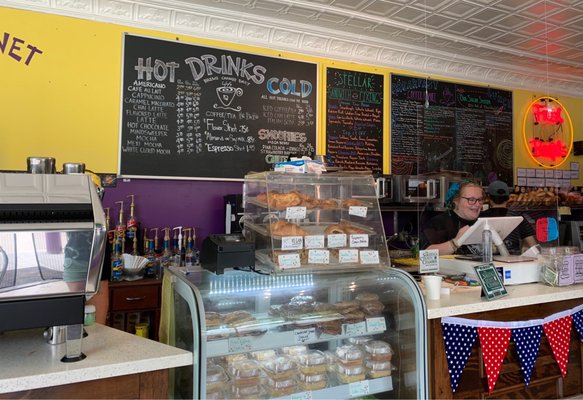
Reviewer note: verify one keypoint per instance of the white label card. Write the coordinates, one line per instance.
(348, 256)
(359, 240)
(295, 213)
(302, 396)
(428, 261)
(240, 344)
(319, 256)
(359, 211)
(286, 261)
(369, 257)
(314, 241)
(355, 329)
(376, 324)
(337, 240)
(292, 243)
(305, 335)
(360, 388)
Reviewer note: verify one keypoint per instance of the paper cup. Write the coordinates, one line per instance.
(432, 285)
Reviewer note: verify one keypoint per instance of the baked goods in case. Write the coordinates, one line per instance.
(332, 327)
(377, 369)
(245, 372)
(245, 392)
(213, 319)
(295, 350)
(237, 317)
(216, 377)
(349, 355)
(372, 308)
(350, 373)
(279, 387)
(312, 362)
(367, 296)
(312, 381)
(284, 228)
(377, 350)
(262, 355)
(280, 367)
(351, 203)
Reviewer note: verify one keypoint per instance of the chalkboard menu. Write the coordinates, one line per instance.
(444, 126)
(354, 119)
(197, 112)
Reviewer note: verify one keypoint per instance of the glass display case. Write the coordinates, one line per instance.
(300, 336)
(314, 222)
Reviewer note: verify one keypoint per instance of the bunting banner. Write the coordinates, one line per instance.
(459, 335)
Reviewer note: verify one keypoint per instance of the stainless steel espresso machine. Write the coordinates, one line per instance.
(52, 244)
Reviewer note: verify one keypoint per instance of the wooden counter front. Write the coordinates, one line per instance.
(546, 380)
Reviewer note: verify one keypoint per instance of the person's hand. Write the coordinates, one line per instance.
(462, 230)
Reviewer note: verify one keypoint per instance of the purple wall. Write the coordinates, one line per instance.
(170, 203)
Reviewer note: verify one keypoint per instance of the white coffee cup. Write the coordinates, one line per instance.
(432, 285)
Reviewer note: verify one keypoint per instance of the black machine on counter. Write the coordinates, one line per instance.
(52, 245)
(227, 251)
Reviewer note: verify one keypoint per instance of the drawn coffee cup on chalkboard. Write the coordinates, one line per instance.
(226, 95)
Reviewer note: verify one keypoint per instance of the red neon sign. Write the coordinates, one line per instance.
(552, 150)
(547, 114)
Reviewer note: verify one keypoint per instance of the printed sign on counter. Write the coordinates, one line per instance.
(376, 325)
(358, 211)
(289, 260)
(295, 213)
(305, 335)
(360, 388)
(337, 240)
(319, 256)
(359, 240)
(357, 329)
(348, 256)
(240, 344)
(369, 257)
(292, 243)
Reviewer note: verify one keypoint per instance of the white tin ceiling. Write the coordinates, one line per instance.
(529, 44)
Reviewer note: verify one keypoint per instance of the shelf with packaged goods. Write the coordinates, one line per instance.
(346, 391)
(252, 338)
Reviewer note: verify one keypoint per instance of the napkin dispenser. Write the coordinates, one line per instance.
(227, 251)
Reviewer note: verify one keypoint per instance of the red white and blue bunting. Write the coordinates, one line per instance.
(459, 335)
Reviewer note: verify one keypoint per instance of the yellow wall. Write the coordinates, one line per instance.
(66, 102)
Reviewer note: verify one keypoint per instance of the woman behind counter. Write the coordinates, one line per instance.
(464, 202)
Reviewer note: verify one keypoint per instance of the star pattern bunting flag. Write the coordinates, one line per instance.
(527, 342)
(459, 335)
(494, 343)
(458, 340)
(558, 333)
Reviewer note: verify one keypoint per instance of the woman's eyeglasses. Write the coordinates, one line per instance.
(473, 200)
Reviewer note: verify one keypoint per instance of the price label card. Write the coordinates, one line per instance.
(355, 329)
(369, 257)
(376, 324)
(240, 344)
(302, 396)
(295, 213)
(319, 256)
(337, 240)
(428, 261)
(314, 241)
(359, 240)
(292, 243)
(359, 211)
(360, 388)
(286, 261)
(305, 335)
(492, 285)
(348, 256)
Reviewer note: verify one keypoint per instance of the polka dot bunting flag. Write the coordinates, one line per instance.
(494, 343)
(459, 340)
(578, 323)
(558, 333)
(527, 342)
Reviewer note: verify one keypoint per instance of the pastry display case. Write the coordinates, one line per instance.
(314, 222)
(298, 336)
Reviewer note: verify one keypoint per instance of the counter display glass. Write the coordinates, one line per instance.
(299, 336)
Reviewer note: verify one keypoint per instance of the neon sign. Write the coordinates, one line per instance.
(547, 132)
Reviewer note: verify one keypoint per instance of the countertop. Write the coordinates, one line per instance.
(29, 362)
(467, 300)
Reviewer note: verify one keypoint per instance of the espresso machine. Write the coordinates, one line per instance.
(52, 246)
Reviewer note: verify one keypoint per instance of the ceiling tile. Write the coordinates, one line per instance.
(511, 22)
(459, 9)
(507, 40)
(409, 15)
(350, 4)
(462, 28)
(438, 21)
(380, 8)
(487, 16)
(486, 34)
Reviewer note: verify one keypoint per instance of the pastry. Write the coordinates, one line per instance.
(295, 350)
(371, 308)
(377, 369)
(349, 355)
(312, 382)
(280, 367)
(284, 228)
(313, 362)
(333, 327)
(333, 229)
(350, 229)
(216, 377)
(245, 372)
(377, 350)
(328, 203)
(279, 387)
(349, 374)
(213, 319)
(347, 306)
(263, 355)
(367, 296)
(351, 202)
(238, 317)
(353, 317)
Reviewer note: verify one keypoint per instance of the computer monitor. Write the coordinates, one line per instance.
(499, 226)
